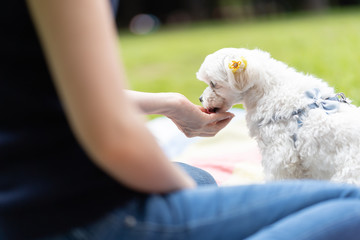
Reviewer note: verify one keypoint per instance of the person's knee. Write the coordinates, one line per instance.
(200, 176)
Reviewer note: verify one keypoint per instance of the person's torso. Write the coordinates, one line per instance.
(47, 183)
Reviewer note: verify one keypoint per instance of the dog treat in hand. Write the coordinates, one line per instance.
(208, 111)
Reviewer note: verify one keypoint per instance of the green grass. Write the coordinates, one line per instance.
(326, 45)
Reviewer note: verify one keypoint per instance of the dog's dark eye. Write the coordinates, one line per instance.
(212, 85)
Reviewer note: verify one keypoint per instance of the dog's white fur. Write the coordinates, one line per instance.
(326, 146)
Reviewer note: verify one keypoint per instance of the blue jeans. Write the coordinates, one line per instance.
(200, 176)
(279, 210)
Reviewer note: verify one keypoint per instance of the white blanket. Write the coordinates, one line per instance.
(232, 157)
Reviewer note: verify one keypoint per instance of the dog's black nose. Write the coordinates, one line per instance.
(201, 99)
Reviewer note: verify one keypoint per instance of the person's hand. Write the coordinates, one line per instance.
(193, 120)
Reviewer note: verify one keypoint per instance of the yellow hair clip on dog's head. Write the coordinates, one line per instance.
(236, 65)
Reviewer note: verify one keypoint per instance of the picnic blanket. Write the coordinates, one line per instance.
(232, 157)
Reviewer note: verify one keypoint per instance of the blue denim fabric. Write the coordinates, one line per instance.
(200, 176)
(280, 210)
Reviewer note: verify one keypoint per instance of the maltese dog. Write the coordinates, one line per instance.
(303, 128)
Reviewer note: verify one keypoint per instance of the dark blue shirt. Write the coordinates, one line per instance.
(47, 183)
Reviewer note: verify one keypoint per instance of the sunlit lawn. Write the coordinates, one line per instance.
(326, 45)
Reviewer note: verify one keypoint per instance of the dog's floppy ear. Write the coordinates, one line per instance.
(236, 69)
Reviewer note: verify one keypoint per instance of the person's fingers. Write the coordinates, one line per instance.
(207, 134)
(213, 128)
(217, 117)
(221, 124)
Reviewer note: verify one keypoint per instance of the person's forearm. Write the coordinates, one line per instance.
(154, 103)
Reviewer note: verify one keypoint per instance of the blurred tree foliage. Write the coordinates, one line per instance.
(179, 11)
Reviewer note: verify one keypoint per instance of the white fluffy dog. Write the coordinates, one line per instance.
(303, 128)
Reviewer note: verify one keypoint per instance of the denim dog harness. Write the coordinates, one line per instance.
(329, 105)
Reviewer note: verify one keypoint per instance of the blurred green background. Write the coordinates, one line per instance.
(325, 44)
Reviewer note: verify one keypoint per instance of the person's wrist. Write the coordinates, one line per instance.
(172, 103)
